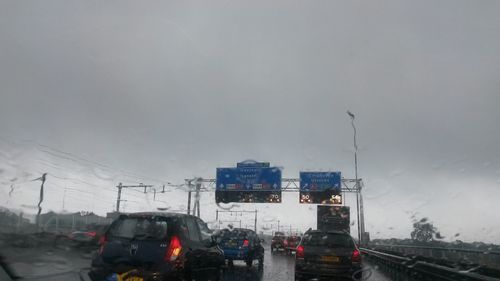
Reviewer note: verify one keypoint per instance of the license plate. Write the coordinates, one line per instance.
(330, 259)
(134, 279)
(126, 277)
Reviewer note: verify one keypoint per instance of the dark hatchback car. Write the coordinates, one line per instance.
(328, 255)
(241, 244)
(158, 246)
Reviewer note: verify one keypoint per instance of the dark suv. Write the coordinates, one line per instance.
(241, 244)
(328, 254)
(278, 242)
(158, 246)
(291, 243)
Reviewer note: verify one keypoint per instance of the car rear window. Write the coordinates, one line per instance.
(328, 240)
(236, 233)
(139, 228)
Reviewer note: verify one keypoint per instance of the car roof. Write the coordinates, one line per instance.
(327, 231)
(155, 214)
(238, 230)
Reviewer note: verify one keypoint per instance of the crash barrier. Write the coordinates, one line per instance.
(483, 257)
(400, 267)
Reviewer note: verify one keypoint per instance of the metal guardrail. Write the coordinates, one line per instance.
(485, 252)
(471, 257)
(407, 269)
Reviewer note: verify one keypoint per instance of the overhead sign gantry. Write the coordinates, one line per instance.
(248, 182)
(320, 188)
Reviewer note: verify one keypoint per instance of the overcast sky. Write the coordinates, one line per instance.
(97, 93)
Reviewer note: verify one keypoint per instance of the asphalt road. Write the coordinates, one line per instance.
(280, 267)
(64, 264)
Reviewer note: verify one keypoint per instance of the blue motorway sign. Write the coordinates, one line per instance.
(320, 181)
(248, 179)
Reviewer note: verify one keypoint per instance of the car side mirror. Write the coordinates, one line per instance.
(214, 240)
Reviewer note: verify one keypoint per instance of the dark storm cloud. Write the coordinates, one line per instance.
(173, 89)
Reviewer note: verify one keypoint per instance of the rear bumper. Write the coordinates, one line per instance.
(101, 270)
(278, 246)
(313, 271)
(236, 254)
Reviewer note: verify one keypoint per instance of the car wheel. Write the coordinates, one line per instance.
(299, 278)
(261, 263)
(219, 274)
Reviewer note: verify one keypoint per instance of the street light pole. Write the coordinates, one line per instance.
(358, 190)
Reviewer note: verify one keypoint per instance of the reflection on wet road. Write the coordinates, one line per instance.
(280, 267)
(47, 261)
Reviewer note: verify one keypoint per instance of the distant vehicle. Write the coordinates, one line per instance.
(333, 218)
(278, 242)
(327, 254)
(291, 243)
(81, 238)
(158, 246)
(241, 244)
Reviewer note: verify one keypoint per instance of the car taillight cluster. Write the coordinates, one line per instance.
(91, 233)
(174, 249)
(102, 241)
(356, 256)
(299, 252)
(245, 243)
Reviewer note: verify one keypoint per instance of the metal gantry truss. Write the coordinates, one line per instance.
(198, 185)
(287, 185)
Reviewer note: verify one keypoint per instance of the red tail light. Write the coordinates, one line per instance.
(356, 256)
(245, 243)
(91, 233)
(174, 249)
(299, 253)
(102, 242)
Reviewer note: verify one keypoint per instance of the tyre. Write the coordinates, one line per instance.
(219, 274)
(261, 263)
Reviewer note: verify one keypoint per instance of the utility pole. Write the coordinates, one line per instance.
(197, 198)
(119, 198)
(359, 199)
(120, 187)
(255, 224)
(42, 178)
(190, 187)
(278, 225)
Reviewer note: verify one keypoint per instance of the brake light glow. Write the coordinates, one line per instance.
(102, 242)
(174, 249)
(356, 256)
(245, 243)
(91, 233)
(299, 253)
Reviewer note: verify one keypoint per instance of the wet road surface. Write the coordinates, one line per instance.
(33, 263)
(280, 267)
